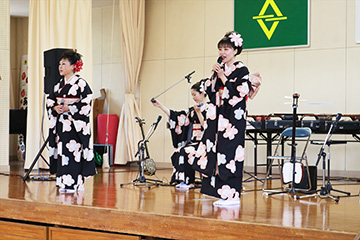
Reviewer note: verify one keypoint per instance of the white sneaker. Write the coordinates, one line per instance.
(81, 188)
(222, 202)
(58, 181)
(64, 190)
(183, 185)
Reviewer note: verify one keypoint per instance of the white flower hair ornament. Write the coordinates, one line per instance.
(236, 39)
(202, 87)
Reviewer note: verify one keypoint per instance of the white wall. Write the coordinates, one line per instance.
(4, 83)
(181, 36)
(108, 68)
(18, 48)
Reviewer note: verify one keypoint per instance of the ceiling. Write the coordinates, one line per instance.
(20, 8)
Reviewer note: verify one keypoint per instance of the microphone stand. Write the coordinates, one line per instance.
(327, 187)
(141, 153)
(188, 77)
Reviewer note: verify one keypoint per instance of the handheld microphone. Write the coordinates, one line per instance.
(219, 61)
(338, 116)
(192, 108)
(157, 122)
(62, 101)
(188, 76)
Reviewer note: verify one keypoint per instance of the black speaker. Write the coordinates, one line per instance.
(17, 119)
(51, 65)
(305, 182)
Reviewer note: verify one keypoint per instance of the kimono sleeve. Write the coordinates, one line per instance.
(179, 126)
(210, 88)
(81, 110)
(51, 102)
(238, 84)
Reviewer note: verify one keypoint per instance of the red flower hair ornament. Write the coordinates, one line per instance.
(78, 65)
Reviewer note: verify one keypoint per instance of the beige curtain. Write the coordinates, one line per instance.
(14, 89)
(132, 20)
(53, 24)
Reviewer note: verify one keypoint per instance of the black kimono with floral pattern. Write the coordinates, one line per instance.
(220, 154)
(70, 149)
(186, 133)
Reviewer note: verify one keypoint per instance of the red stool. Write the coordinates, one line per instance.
(107, 128)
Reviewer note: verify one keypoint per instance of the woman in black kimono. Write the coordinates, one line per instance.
(69, 106)
(186, 131)
(220, 155)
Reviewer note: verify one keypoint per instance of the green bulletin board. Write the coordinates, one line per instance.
(272, 23)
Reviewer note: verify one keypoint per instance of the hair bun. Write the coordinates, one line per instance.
(72, 55)
(232, 39)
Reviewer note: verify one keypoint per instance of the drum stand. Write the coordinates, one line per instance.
(327, 187)
(141, 179)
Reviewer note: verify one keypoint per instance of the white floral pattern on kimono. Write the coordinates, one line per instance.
(186, 133)
(71, 153)
(222, 163)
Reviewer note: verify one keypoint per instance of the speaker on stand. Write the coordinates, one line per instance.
(51, 65)
(51, 77)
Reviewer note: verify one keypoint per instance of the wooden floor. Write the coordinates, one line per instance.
(164, 212)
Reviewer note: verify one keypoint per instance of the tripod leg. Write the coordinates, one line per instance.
(335, 198)
(343, 192)
(329, 185)
(274, 193)
(45, 160)
(156, 181)
(123, 184)
(251, 176)
(36, 159)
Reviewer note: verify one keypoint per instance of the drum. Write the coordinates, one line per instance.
(149, 166)
(287, 172)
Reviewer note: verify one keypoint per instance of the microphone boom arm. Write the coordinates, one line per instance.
(186, 77)
(151, 131)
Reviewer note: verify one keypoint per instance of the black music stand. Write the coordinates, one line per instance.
(327, 187)
(141, 153)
